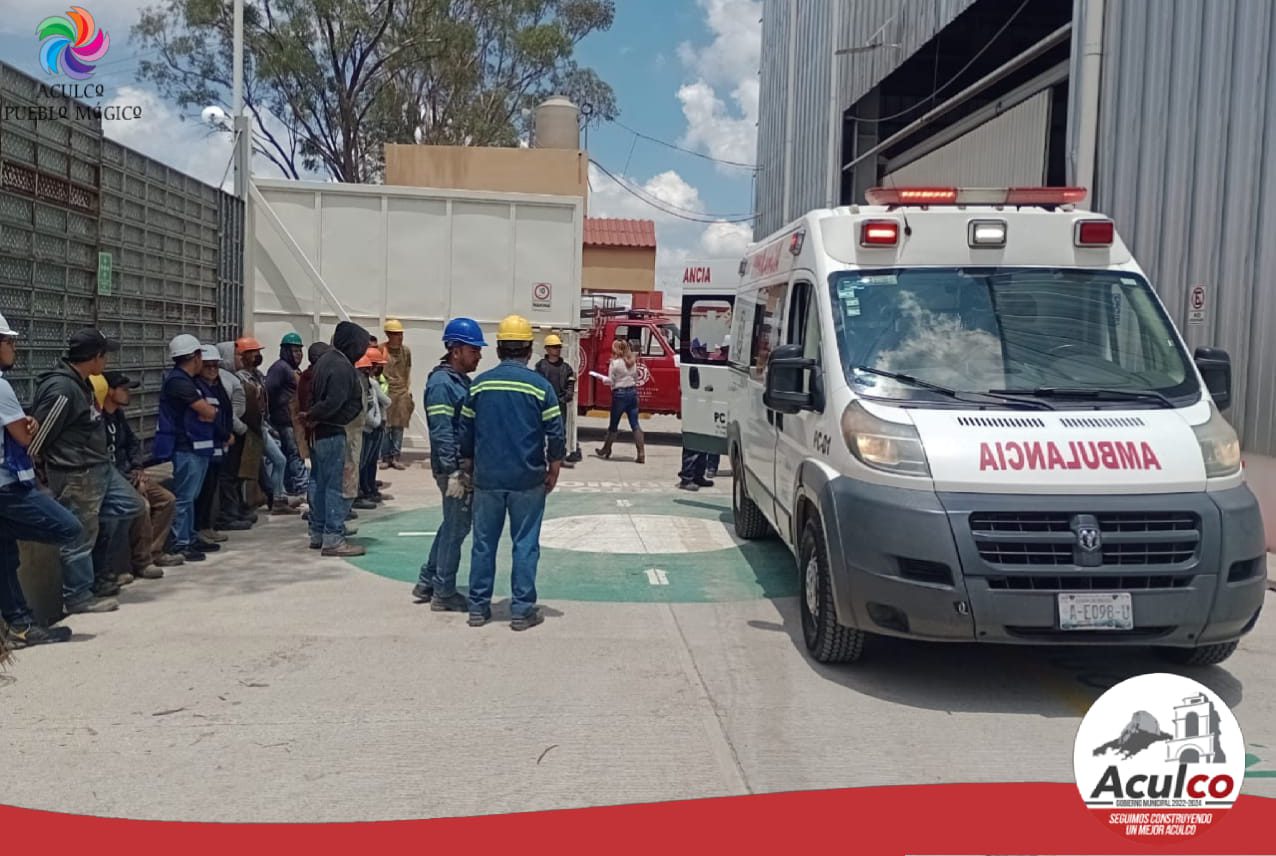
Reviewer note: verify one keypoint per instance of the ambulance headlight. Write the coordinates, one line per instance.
(1219, 446)
(882, 445)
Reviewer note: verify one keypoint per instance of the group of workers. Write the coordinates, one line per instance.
(73, 474)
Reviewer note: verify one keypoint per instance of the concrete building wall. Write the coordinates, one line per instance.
(627, 269)
(560, 172)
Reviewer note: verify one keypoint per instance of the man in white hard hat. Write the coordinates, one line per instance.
(71, 443)
(26, 513)
(185, 420)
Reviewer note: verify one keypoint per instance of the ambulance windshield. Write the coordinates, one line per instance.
(1019, 329)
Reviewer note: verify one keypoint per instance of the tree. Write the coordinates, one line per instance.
(329, 82)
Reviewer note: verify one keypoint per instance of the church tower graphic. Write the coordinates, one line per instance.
(1196, 733)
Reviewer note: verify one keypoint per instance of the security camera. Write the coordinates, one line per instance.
(213, 115)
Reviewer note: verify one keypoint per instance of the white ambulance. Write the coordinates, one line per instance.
(970, 418)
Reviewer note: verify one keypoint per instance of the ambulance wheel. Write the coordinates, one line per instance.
(1206, 655)
(749, 522)
(828, 641)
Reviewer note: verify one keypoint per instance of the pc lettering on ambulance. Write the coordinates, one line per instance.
(1073, 455)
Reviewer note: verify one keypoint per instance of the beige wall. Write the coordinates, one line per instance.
(619, 269)
(562, 172)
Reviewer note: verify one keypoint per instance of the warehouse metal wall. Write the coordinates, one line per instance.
(68, 196)
(1186, 165)
(1007, 151)
(910, 23)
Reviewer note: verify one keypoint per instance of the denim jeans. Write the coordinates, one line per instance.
(121, 505)
(295, 477)
(276, 465)
(693, 465)
(328, 508)
(624, 402)
(712, 463)
(393, 445)
(29, 515)
(439, 570)
(526, 510)
(368, 457)
(96, 496)
(189, 470)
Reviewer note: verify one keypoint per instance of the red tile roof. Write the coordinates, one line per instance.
(613, 232)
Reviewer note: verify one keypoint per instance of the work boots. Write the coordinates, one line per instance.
(605, 451)
(641, 443)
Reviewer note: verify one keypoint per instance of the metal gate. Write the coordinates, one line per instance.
(95, 234)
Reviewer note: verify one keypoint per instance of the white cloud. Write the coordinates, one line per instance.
(677, 240)
(721, 103)
(725, 240)
(189, 146)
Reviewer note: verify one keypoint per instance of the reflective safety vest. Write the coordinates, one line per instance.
(203, 434)
(168, 430)
(18, 461)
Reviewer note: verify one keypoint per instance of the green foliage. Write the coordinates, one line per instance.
(329, 82)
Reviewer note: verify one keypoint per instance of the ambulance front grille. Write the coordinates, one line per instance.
(1146, 538)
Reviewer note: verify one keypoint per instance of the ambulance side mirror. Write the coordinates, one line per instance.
(1215, 366)
(793, 383)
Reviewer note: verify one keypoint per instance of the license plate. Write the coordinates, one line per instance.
(1096, 611)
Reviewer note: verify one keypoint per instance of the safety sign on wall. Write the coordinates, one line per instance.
(542, 295)
(1196, 305)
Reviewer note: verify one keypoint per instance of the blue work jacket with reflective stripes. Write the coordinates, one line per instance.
(508, 424)
(445, 391)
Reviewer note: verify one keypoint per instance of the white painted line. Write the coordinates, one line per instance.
(415, 534)
(657, 577)
(623, 503)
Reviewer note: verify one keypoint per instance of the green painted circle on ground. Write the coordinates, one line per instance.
(672, 567)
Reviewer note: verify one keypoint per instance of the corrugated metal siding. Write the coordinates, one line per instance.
(911, 23)
(1187, 131)
(1009, 150)
(908, 23)
(773, 89)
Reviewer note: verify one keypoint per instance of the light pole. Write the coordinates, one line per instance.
(243, 142)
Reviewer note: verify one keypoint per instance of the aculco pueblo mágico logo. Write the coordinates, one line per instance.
(1159, 756)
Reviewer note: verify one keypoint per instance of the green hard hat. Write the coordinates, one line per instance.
(292, 339)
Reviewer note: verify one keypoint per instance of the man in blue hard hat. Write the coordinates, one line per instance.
(512, 429)
(445, 392)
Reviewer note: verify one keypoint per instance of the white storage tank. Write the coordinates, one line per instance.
(557, 124)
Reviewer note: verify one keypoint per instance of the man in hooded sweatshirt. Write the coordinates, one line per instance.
(71, 442)
(281, 388)
(336, 398)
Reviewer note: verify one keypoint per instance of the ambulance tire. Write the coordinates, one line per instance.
(1206, 655)
(750, 524)
(828, 641)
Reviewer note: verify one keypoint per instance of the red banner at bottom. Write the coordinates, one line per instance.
(917, 819)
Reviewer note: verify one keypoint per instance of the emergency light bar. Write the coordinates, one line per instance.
(975, 195)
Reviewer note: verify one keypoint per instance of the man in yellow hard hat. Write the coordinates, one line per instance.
(398, 375)
(511, 428)
(562, 377)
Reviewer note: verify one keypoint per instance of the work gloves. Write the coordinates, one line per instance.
(456, 485)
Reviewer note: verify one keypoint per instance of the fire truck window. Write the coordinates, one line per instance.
(710, 330)
(767, 325)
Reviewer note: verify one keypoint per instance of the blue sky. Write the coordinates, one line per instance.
(684, 71)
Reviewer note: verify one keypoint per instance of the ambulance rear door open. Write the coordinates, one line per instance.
(703, 352)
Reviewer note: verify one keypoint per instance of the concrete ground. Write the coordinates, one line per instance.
(269, 684)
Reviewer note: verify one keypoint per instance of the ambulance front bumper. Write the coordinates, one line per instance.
(991, 567)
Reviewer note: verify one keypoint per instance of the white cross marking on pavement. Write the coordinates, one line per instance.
(623, 503)
(657, 577)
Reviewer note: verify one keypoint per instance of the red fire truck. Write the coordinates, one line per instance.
(653, 335)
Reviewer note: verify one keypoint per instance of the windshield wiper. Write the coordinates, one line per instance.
(1087, 392)
(952, 393)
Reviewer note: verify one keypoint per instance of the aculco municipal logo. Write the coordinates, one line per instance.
(1159, 756)
(72, 44)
